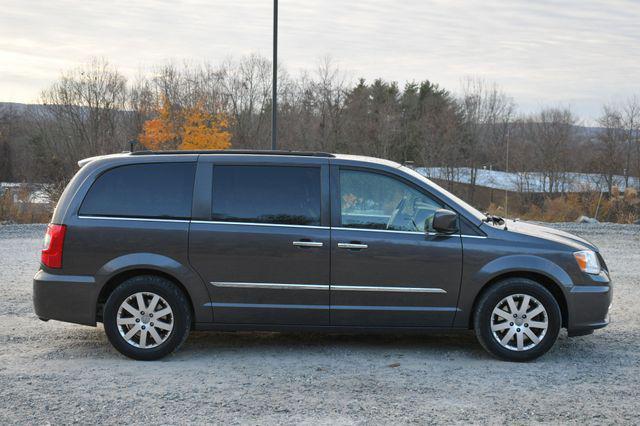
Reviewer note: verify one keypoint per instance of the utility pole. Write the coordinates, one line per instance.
(274, 84)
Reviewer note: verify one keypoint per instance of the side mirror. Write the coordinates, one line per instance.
(445, 221)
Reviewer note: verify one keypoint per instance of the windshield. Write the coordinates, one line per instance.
(468, 207)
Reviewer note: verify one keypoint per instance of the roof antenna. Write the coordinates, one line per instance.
(132, 144)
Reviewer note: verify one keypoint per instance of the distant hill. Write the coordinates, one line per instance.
(588, 132)
(20, 108)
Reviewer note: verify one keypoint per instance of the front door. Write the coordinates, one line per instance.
(387, 266)
(265, 251)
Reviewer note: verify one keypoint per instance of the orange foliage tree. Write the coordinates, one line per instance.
(160, 132)
(203, 130)
(190, 128)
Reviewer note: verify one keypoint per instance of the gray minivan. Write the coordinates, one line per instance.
(155, 244)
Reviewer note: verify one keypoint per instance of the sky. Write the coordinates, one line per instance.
(570, 53)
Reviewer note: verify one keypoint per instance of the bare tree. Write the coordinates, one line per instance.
(247, 87)
(551, 133)
(84, 113)
(311, 109)
(487, 112)
(329, 93)
(631, 123)
(610, 146)
(7, 118)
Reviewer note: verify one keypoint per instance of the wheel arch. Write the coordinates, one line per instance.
(113, 282)
(549, 283)
(177, 271)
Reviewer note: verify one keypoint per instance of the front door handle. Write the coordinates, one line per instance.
(308, 243)
(352, 246)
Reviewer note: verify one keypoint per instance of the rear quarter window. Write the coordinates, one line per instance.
(152, 190)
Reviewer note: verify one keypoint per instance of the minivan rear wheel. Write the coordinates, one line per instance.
(517, 319)
(147, 317)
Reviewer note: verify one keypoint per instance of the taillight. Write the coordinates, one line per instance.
(51, 256)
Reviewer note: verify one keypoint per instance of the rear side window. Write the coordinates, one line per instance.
(158, 190)
(266, 194)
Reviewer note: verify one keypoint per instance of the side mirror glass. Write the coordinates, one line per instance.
(445, 221)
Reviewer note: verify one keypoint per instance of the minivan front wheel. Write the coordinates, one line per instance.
(147, 317)
(517, 319)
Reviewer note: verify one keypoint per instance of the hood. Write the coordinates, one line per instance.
(549, 234)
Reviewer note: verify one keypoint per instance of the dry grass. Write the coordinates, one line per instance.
(617, 207)
(15, 207)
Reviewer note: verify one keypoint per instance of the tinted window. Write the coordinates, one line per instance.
(466, 228)
(376, 201)
(160, 190)
(267, 194)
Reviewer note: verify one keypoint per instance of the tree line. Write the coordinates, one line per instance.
(94, 110)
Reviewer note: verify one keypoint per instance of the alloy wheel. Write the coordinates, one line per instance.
(519, 322)
(145, 320)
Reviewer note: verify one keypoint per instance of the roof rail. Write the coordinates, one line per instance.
(238, 151)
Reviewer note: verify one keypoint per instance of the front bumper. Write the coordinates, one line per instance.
(68, 298)
(588, 306)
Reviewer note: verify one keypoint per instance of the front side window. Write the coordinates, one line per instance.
(152, 190)
(376, 201)
(266, 194)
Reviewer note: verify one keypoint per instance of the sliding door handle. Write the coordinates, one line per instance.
(308, 243)
(352, 246)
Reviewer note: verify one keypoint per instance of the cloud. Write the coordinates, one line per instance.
(577, 52)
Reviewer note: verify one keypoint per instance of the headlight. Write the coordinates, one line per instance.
(587, 261)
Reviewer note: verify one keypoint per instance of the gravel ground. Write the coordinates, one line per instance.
(63, 373)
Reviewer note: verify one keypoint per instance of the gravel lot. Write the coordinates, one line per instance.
(63, 373)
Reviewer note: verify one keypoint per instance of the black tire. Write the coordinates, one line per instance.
(495, 294)
(175, 298)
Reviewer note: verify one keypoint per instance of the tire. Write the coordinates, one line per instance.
(514, 339)
(164, 332)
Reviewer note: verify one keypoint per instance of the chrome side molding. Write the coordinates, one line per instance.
(276, 225)
(392, 289)
(281, 286)
(135, 219)
(271, 286)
